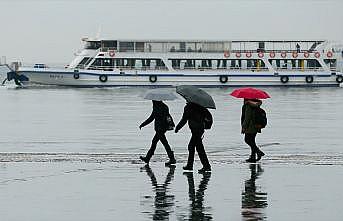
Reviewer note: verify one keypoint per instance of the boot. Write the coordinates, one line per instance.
(146, 160)
(252, 159)
(205, 170)
(171, 159)
(260, 154)
(148, 156)
(187, 167)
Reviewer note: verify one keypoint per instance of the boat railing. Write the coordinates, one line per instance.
(147, 50)
(237, 68)
(111, 68)
(299, 69)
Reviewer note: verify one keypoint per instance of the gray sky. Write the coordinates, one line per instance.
(49, 31)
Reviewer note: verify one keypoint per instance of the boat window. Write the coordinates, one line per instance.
(110, 44)
(213, 47)
(93, 45)
(330, 62)
(39, 66)
(261, 47)
(154, 47)
(126, 46)
(173, 47)
(139, 47)
(295, 63)
(102, 64)
(84, 62)
(182, 46)
(96, 64)
(127, 63)
(217, 64)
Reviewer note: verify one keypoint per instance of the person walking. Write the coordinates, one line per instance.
(195, 115)
(160, 114)
(250, 128)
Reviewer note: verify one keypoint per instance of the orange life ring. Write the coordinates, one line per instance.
(226, 54)
(111, 53)
(272, 54)
(248, 54)
(306, 54)
(260, 54)
(283, 54)
(329, 54)
(238, 54)
(295, 54)
(317, 54)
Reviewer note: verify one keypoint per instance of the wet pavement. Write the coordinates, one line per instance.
(71, 154)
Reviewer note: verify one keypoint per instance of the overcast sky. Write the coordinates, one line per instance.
(49, 31)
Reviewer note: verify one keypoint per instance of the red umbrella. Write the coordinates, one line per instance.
(249, 93)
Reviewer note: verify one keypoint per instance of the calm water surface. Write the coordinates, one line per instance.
(66, 152)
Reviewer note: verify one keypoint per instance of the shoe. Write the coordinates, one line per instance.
(170, 162)
(250, 160)
(260, 154)
(205, 170)
(144, 159)
(187, 168)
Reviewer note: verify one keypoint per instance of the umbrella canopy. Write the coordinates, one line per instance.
(159, 95)
(196, 95)
(249, 93)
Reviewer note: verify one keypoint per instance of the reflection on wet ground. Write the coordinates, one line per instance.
(198, 211)
(253, 200)
(164, 200)
(62, 191)
(88, 158)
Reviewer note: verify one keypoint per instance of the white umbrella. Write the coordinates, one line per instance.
(160, 95)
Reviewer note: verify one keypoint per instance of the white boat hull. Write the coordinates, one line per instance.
(89, 78)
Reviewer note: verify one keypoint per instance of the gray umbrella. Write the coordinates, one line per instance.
(196, 95)
(159, 95)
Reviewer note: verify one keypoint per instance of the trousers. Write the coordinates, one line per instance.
(159, 136)
(196, 144)
(250, 140)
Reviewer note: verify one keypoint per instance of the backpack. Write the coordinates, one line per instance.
(208, 120)
(260, 117)
(170, 122)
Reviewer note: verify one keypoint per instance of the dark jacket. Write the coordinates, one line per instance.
(248, 119)
(195, 115)
(159, 113)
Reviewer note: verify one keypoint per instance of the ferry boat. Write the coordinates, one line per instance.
(168, 63)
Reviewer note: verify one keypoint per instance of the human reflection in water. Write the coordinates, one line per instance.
(163, 201)
(198, 210)
(253, 201)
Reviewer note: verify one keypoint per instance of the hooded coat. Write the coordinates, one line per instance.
(248, 121)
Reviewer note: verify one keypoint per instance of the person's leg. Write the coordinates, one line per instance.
(152, 149)
(202, 153)
(166, 145)
(191, 152)
(259, 152)
(250, 140)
